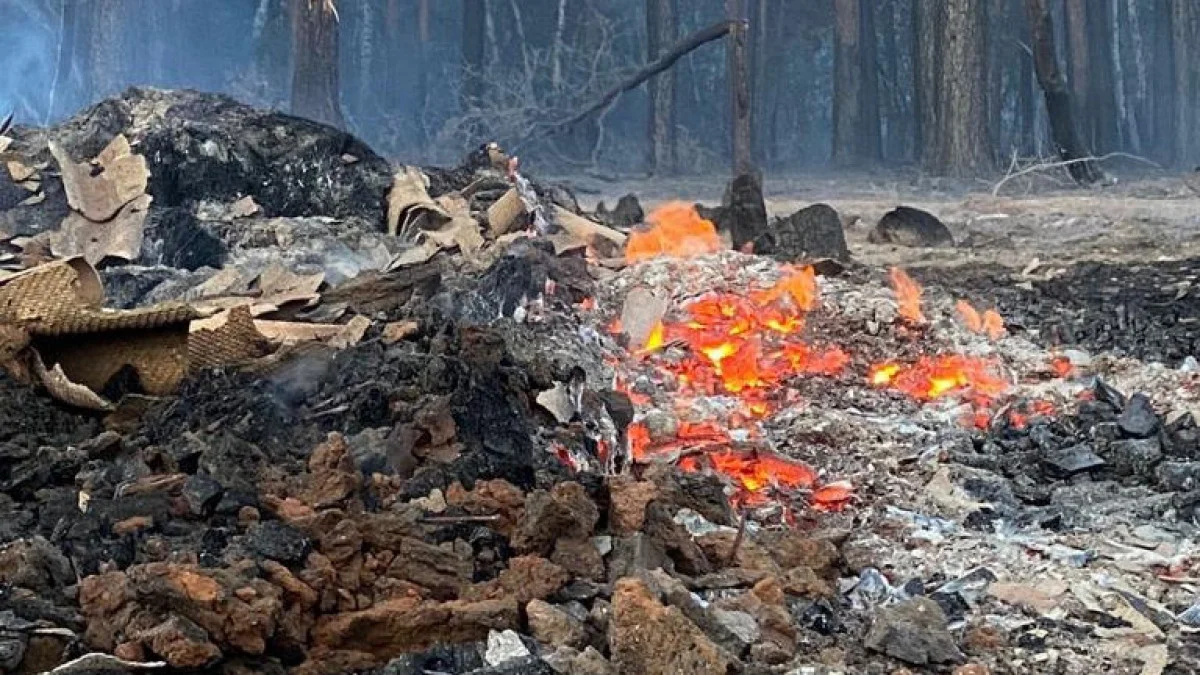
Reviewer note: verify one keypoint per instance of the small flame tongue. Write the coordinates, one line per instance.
(908, 295)
(676, 230)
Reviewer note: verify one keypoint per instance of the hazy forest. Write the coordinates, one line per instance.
(949, 87)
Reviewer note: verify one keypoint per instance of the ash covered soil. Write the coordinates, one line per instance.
(405, 506)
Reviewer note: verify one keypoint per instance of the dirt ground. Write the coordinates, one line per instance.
(1142, 218)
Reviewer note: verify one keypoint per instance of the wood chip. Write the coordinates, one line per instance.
(19, 171)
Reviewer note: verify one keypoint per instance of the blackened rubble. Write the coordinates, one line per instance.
(1147, 311)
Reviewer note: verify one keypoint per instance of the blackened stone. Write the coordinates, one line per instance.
(175, 238)
(1133, 456)
(202, 494)
(212, 546)
(460, 658)
(627, 213)
(1179, 475)
(578, 590)
(278, 541)
(915, 632)
(953, 605)
(637, 552)
(1138, 419)
(1107, 394)
(818, 615)
(906, 226)
(1072, 460)
(812, 232)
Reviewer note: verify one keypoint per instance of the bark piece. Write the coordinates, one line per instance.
(505, 214)
(122, 177)
(647, 637)
(397, 627)
(121, 237)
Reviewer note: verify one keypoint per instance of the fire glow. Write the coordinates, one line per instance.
(676, 230)
(748, 346)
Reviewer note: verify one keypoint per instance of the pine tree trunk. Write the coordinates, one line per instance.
(661, 35)
(106, 57)
(316, 87)
(927, 17)
(1058, 98)
(847, 82)
(871, 143)
(474, 22)
(737, 59)
(1185, 18)
(1079, 65)
(964, 148)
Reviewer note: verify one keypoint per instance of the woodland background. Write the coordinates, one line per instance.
(945, 86)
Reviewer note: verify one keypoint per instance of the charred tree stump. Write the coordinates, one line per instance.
(316, 82)
(1058, 98)
(737, 58)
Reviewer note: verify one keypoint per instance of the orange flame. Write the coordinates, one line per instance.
(990, 323)
(931, 378)
(993, 325)
(970, 318)
(908, 295)
(676, 230)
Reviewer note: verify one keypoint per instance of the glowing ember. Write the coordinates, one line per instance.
(1062, 366)
(832, 497)
(676, 230)
(755, 471)
(931, 378)
(908, 295)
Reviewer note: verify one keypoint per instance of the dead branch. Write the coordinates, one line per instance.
(1046, 166)
(5, 124)
(662, 63)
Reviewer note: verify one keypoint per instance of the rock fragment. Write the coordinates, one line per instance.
(915, 632)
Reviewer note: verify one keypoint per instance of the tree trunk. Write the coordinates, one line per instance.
(1102, 102)
(964, 148)
(926, 20)
(316, 89)
(1079, 63)
(739, 86)
(661, 35)
(107, 48)
(847, 83)
(1185, 24)
(871, 141)
(474, 24)
(1058, 98)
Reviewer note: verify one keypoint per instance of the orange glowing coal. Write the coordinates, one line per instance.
(754, 472)
(934, 377)
(990, 323)
(908, 295)
(677, 231)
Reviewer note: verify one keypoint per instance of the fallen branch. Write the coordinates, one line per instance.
(6, 123)
(681, 49)
(1045, 166)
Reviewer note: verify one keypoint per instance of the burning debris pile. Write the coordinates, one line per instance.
(445, 421)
